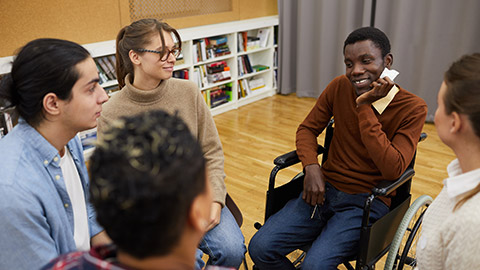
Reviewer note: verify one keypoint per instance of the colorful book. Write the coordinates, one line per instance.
(218, 40)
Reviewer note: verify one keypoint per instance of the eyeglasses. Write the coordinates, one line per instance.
(163, 54)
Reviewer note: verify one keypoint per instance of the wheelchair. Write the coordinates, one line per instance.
(376, 239)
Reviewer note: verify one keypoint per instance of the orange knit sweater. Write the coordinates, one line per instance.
(366, 147)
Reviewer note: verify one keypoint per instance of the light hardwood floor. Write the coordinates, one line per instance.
(253, 135)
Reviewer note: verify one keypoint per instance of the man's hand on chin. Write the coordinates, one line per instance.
(380, 89)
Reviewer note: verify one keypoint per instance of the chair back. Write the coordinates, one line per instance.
(232, 206)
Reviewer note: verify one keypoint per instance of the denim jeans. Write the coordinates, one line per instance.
(224, 244)
(333, 232)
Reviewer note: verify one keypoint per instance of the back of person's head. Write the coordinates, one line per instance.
(42, 66)
(462, 96)
(136, 36)
(463, 89)
(145, 173)
(369, 33)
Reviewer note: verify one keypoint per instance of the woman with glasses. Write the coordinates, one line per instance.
(146, 54)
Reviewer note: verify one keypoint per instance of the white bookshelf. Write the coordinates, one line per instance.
(262, 55)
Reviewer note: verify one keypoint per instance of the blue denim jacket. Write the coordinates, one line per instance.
(36, 217)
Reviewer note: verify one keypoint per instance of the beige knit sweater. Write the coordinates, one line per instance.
(174, 96)
(450, 239)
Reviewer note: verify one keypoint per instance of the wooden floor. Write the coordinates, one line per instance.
(253, 135)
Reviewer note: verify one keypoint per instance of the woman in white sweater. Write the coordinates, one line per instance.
(451, 226)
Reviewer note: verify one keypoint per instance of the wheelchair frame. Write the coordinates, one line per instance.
(375, 238)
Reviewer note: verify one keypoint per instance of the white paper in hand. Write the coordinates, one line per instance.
(391, 73)
(381, 104)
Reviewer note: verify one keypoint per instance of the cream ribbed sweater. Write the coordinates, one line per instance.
(174, 96)
(450, 239)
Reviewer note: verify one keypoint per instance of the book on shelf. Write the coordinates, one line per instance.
(256, 83)
(253, 43)
(195, 52)
(110, 90)
(218, 40)
(106, 67)
(110, 61)
(242, 41)
(113, 62)
(208, 48)
(88, 138)
(275, 77)
(216, 67)
(101, 75)
(197, 77)
(245, 64)
(219, 76)
(262, 34)
(258, 68)
(180, 60)
(217, 72)
(241, 90)
(8, 119)
(206, 96)
(275, 58)
(180, 74)
(200, 76)
(218, 95)
(203, 50)
(203, 75)
(244, 90)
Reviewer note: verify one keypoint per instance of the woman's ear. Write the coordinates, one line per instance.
(51, 104)
(134, 57)
(456, 122)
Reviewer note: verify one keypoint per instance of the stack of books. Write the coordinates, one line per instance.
(217, 72)
(244, 65)
(181, 74)
(218, 95)
(208, 48)
(106, 68)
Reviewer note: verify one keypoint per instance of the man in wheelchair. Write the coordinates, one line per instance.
(377, 126)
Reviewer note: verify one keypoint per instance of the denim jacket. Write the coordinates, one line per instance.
(36, 217)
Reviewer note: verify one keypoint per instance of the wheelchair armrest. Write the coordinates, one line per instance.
(423, 137)
(386, 187)
(291, 158)
(287, 159)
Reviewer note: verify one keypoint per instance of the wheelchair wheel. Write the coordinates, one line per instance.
(402, 254)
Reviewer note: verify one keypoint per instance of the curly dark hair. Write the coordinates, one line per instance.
(369, 33)
(145, 173)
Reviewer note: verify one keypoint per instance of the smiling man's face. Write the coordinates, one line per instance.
(364, 64)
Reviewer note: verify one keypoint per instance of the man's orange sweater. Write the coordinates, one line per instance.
(367, 147)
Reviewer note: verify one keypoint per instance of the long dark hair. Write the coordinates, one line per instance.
(42, 66)
(463, 96)
(136, 36)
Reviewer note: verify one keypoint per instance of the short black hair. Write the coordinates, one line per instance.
(42, 66)
(145, 173)
(369, 33)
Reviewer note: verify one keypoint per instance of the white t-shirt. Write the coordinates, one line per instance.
(75, 191)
